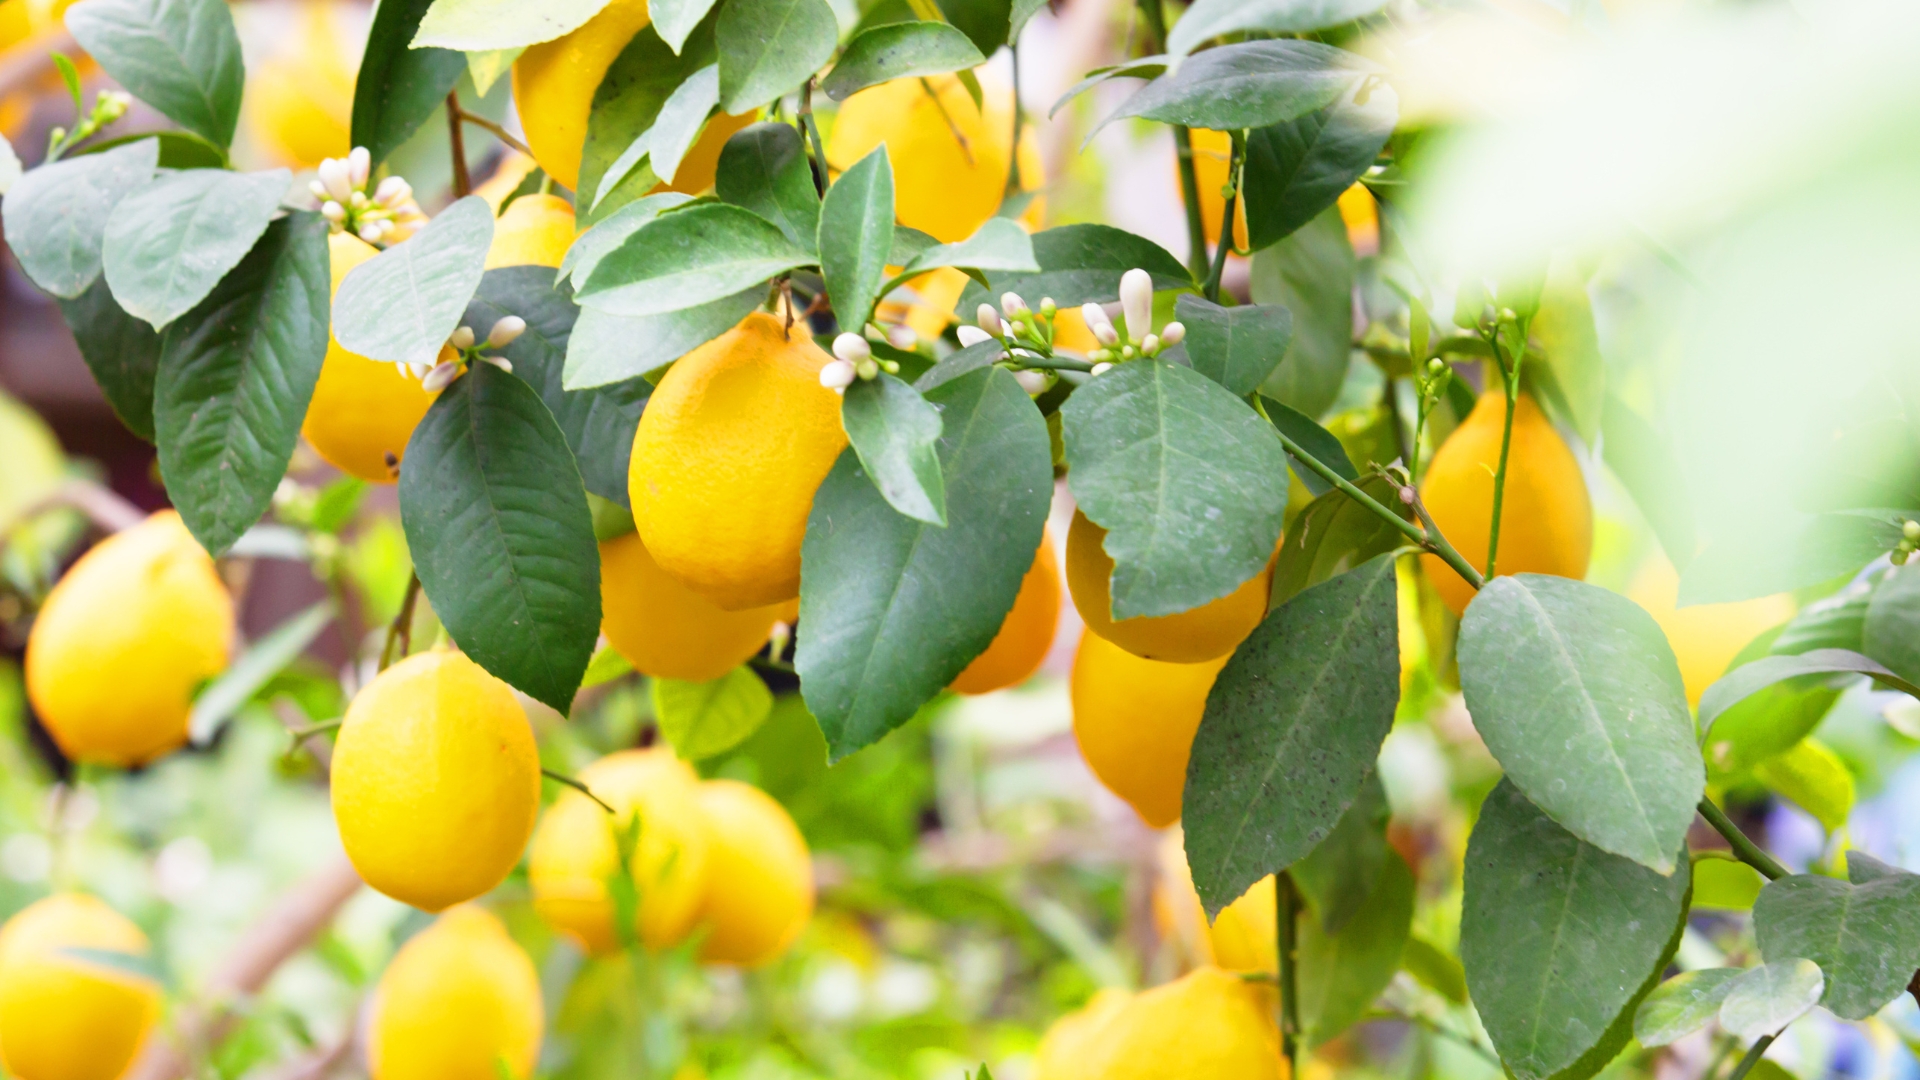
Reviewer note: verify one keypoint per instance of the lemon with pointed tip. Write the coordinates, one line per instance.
(732, 445)
(667, 630)
(1212, 630)
(656, 838)
(758, 892)
(125, 639)
(1546, 519)
(1025, 634)
(436, 780)
(65, 1017)
(459, 1001)
(1135, 720)
(535, 230)
(363, 411)
(1208, 1025)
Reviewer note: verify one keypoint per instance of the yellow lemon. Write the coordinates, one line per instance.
(299, 101)
(513, 170)
(124, 640)
(1025, 634)
(664, 628)
(580, 848)
(1212, 164)
(460, 1001)
(536, 230)
(16, 23)
(1361, 215)
(62, 1017)
(1135, 720)
(363, 411)
(729, 451)
(436, 780)
(949, 158)
(1073, 1039)
(1212, 630)
(1546, 520)
(758, 893)
(1209, 1025)
(1705, 637)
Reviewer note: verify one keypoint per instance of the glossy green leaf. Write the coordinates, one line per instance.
(480, 25)
(1190, 484)
(897, 51)
(1746, 679)
(608, 348)
(1021, 11)
(1561, 940)
(1236, 347)
(1317, 442)
(1216, 18)
(1579, 698)
(1891, 630)
(599, 423)
(764, 168)
(985, 22)
(1792, 555)
(1814, 779)
(264, 659)
(1338, 875)
(896, 434)
(1343, 971)
(1000, 245)
(1079, 263)
(56, 216)
(180, 56)
(768, 47)
(168, 244)
(896, 608)
(705, 719)
(856, 234)
(1642, 458)
(1310, 274)
(497, 521)
(1683, 1004)
(1864, 935)
(626, 106)
(1296, 170)
(121, 351)
(688, 258)
(960, 362)
(403, 303)
(1765, 999)
(234, 379)
(398, 88)
(681, 118)
(1331, 536)
(1832, 622)
(1291, 731)
(594, 244)
(1252, 84)
(675, 20)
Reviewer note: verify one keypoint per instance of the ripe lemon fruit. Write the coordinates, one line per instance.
(124, 640)
(758, 893)
(731, 447)
(1212, 168)
(1209, 1025)
(577, 852)
(299, 102)
(62, 1017)
(536, 230)
(949, 158)
(664, 628)
(1025, 634)
(553, 86)
(363, 411)
(1546, 521)
(460, 999)
(1705, 637)
(436, 780)
(1135, 719)
(1212, 630)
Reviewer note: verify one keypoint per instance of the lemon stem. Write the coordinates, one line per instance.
(1753, 1058)
(456, 137)
(1288, 912)
(562, 778)
(1234, 166)
(401, 628)
(808, 125)
(495, 130)
(1510, 380)
(1013, 151)
(1743, 846)
(1155, 42)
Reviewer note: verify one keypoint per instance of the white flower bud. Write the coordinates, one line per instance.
(440, 377)
(1033, 382)
(902, 337)
(987, 318)
(1048, 308)
(393, 192)
(1136, 302)
(1006, 328)
(1012, 304)
(852, 348)
(333, 211)
(1150, 345)
(972, 335)
(461, 338)
(837, 374)
(359, 164)
(1102, 369)
(1173, 334)
(333, 176)
(319, 190)
(370, 232)
(1126, 352)
(500, 362)
(506, 331)
(1096, 319)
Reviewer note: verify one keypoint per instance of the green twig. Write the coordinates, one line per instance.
(1753, 1058)
(1287, 912)
(1510, 379)
(401, 628)
(1156, 42)
(1013, 148)
(1235, 162)
(1051, 363)
(562, 778)
(1748, 851)
(812, 128)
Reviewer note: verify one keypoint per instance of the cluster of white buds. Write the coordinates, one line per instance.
(854, 361)
(1136, 307)
(1017, 325)
(387, 216)
(506, 330)
(108, 106)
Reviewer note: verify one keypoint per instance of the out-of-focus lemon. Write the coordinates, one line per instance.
(460, 1000)
(758, 893)
(1135, 720)
(66, 1018)
(536, 230)
(664, 628)
(300, 99)
(1705, 637)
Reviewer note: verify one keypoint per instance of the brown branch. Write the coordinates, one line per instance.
(103, 506)
(462, 182)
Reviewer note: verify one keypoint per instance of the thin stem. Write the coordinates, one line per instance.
(768, 664)
(1156, 42)
(462, 182)
(1287, 912)
(301, 734)
(1500, 474)
(494, 129)
(812, 129)
(1753, 1057)
(1748, 851)
(1051, 363)
(1437, 1028)
(401, 629)
(1727, 1047)
(1225, 243)
(1013, 151)
(966, 149)
(562, 778)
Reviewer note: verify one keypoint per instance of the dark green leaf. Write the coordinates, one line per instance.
(1216, 18)
(681, 118)
(1643, 460)
(1579, 698)
(403, 303)
(1561, 940)
(594, 244)
(178, 149)
(1338, 875)
(1891, 632)
(264, 659)
(484, 25)
(1682, 1005)
(1316, 441)
(168, 244)
(897, 51)
(1236, 347)
(1331, 536)
(1790, 555)
(896, 608)
(1863, 868)
(1298, 169)
(608, 348)
(234, 379)
(856, 234)
(688, 258)
(1310, 274)
(497, 521)
(1291, 731)
(1190, 484)
(399, 88)
(675, 20)
(180, 56)
(1746, 679)
(1435, 969)
(598, 423)
(120, 350)
(1253, 84)
(1865, 937)
(705, 719)
(1079, 263)
(896, 434)
(1763, 1000)
(56, 215)
(960, 362)
(764, 168)
(1343, 971)
(984, 21)
(768, 47)
(625, 107)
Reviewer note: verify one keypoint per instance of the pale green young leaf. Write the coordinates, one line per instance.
(592, 246)
(264, 659)
(680, 120)
(626, 105)
(402, 304)
(705, 719)
(1683, 1004)
(606, 348)
(856, 235)
(1813, 778)
(1747, 679)
(1765, 999)
(481, 25)
(1890, 630)
(674, 20)
(1000, 245)
(168, 244)
(489, 67)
